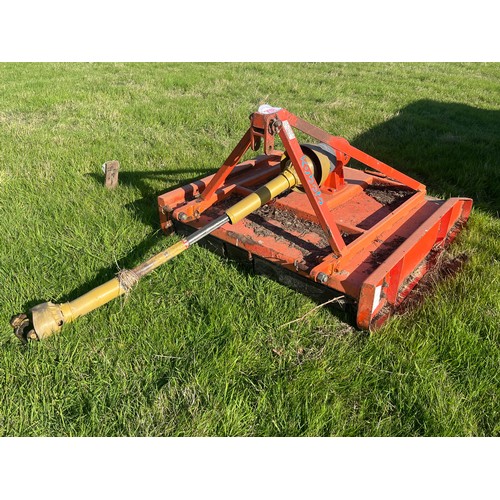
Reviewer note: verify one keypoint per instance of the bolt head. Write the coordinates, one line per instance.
(322, 277)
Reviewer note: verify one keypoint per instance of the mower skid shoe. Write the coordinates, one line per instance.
(392, 282)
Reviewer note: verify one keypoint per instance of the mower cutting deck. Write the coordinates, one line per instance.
(300, 215)
(368, 235)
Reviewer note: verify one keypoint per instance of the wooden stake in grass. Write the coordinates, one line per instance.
(111, 169)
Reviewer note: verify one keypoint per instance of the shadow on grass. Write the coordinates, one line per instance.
(452, 148)
(136, 255)
(146, 207)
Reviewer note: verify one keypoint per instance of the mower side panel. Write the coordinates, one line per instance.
(391, 283)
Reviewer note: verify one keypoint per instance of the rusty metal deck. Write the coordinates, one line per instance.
(393, 234)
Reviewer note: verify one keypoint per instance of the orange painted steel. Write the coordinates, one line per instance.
(370, 235)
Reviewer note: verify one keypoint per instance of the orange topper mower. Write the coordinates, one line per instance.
(300, 215)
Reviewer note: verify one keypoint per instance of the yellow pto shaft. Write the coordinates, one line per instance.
(48, 318)
(287, 179)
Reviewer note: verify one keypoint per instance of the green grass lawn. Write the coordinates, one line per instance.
(191, 352)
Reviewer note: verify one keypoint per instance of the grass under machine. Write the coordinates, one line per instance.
(300, 215)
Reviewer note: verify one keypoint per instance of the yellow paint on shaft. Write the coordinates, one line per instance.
(287, 179)
(92, 300)
(160, 258)
(48, 318)
(111, 289)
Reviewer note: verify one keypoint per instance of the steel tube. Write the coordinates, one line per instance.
(206, 230)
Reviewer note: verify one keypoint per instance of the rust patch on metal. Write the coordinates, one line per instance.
(382, 252)
(242, 238)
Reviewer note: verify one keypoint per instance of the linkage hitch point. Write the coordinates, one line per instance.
(44, 320)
